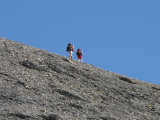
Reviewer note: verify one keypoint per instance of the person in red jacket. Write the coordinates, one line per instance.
(70, 49)
(80, 55)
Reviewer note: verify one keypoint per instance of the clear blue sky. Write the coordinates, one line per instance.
(121, 36)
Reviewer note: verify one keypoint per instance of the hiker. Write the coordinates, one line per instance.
(70, 49)
(80, 55)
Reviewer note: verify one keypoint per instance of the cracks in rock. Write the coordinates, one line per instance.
(69, 95)
(7, 75)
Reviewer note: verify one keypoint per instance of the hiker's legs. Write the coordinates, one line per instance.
(70, 54)
(80, 60)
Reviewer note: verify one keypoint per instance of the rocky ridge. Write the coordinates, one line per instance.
(38, 85)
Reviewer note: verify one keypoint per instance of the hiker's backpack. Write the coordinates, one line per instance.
(79, 52)
(69, 47)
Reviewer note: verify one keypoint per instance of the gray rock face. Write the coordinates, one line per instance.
(39, 85)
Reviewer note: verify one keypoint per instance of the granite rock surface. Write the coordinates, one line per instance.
(39, 85)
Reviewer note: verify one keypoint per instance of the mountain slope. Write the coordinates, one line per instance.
(39, 85)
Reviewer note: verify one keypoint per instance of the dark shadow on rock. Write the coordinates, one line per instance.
(66, 60)
(51, 117)
(21, 83)
(126, 80)
(54, 67)
(75, 106)
(69, 95)
(107, 118)
(155, 88)
(20, 115)
(31, 65)
(7, 75)
(61, 69)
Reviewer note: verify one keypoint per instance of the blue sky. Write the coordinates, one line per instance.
(121, 36)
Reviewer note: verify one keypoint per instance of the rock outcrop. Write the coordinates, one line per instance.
(39, 85)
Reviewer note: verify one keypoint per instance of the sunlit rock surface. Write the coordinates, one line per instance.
(39, 85)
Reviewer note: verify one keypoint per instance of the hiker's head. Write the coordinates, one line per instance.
(70, 44)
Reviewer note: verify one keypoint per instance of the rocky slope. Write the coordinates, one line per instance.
(39, 85)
